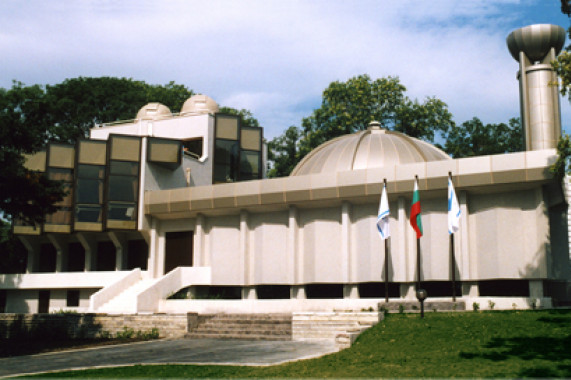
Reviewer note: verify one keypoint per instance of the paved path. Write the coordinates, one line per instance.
(180, 351)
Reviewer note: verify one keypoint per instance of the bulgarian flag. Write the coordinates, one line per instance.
(415, 220)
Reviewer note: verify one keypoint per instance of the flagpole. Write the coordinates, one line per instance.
(386, 262)
(420, 293)
(453, 258)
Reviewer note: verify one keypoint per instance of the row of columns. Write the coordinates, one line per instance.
(349, 261)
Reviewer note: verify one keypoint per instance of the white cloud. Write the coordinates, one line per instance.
(276, 57)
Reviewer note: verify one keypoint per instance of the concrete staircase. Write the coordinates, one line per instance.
(126, 301)
(242, 326)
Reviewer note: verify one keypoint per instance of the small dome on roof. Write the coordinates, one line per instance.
(373, 148)
(199, 104)
(153, 111)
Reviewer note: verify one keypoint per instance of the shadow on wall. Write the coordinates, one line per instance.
(553, 260)
(65, 326)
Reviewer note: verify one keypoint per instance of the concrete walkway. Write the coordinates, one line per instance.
(180, 351)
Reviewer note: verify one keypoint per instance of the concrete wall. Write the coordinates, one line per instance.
(509, 233)
(504, 236)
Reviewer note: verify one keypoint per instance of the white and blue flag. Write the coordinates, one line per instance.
(453, 209)
(383, 218)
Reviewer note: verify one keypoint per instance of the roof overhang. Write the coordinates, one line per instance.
(483, 174)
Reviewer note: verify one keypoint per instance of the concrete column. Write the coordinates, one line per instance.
(249, 293)
(160, 254)
(198, 258)
(408, 291)
(298, 292)
(346, 262)
(121, 253)
(536, 289)
(408, 270)
(141, 218)
(351, 291)
(470, 289)
(33, 248)
(295, 255)
(247, 262)
(463, 259)
(60, 245)
(90, 248)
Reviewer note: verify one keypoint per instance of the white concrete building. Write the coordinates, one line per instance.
(178, 203)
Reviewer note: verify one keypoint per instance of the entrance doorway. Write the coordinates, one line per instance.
(178, 250)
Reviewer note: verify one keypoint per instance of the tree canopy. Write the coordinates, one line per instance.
(350, 106)
(23, 130)
(563, 63)
(473, 138)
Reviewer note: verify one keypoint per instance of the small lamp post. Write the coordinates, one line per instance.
(421, 294)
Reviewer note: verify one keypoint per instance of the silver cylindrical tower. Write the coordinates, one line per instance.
(535, 47)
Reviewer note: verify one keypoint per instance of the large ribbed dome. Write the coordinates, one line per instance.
(373, 148)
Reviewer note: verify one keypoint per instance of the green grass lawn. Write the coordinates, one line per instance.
(484, 344)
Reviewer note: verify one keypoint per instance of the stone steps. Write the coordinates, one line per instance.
(243, 326)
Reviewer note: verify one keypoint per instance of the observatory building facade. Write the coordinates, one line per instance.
(178, 205)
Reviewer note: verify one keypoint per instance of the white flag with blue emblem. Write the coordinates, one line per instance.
(383, 218)
(453, 209)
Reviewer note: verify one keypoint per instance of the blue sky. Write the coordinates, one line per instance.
(276, 57)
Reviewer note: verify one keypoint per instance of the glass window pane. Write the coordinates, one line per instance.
(223, 173)
(123, 188)
(249, 165)
(122, 211)
(88, 213)
(226, 152)
(90, 171)
(124, 168)
(89, 191)
(60, 174)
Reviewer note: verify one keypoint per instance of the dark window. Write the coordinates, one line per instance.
(123, 193)
(124, 168)
(273, 291)
(75, 258)
(499, 288)
(377, 290)
(193, 147)
(106, 256)
(249, 165)
(138, 254)
(3, 297)
(44, 301)
(178, 250)
(72, 298)
(225, 161)
(324, 290)
(89, 193)
(48, 257)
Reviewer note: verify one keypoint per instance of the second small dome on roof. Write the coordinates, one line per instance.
(372, 148)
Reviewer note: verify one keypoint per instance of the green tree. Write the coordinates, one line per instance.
(473, 138)
(283, 152)
(562, 65)
(23, 130)
(348, 107)
(75, 105)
